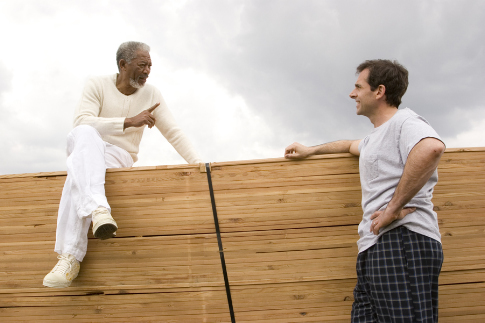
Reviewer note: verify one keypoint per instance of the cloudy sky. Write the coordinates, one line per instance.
(243, 78)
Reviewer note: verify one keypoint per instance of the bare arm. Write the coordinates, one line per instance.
(299, 151)
(420, 165)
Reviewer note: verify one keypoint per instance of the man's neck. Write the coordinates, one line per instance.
(382, 115)
(123, 85)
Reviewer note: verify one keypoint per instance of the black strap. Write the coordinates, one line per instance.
(219, 242)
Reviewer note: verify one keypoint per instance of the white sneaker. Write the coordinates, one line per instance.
(104, 226)
(63, 273)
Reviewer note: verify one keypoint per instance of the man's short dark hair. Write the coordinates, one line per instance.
(127, 51)
(391, 74)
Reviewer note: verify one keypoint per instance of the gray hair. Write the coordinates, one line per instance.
(127, 51)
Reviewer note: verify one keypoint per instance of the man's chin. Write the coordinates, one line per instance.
(359, 110)
(137, 85)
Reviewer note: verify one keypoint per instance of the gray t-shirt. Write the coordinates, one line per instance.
(383, 154)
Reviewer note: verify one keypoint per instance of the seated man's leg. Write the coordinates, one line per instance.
(83, 193)
(403, 269)
(104, 226)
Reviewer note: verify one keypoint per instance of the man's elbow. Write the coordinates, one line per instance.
(439, 147)
(354, 148)
(435, 147)
(78, 120)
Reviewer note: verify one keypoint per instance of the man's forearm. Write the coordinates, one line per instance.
(298, 151)
(420, 165)
(335, 147)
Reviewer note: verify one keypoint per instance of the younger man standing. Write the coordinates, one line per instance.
(400, 254)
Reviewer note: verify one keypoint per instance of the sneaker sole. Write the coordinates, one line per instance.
(105, 231)
(48, 283)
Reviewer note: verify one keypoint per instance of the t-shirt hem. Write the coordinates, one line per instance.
(409, 227)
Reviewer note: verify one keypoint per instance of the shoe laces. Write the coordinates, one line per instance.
(64, 265)
(99, 211)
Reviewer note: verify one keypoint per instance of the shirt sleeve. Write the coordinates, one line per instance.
(413, 130)
(167, 125)
(362, 143)
(89, 109)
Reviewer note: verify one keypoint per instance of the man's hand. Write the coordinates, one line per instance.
(385, 217)
(144, 118)
(298, 151)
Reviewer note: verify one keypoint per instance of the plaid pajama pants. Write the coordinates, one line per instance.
(397, 279)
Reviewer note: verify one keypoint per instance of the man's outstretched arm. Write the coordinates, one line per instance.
(299, 151)
(420, 165)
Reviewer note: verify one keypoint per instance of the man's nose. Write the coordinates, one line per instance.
(352, 94)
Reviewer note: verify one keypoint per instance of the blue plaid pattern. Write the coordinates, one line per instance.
(397, 279)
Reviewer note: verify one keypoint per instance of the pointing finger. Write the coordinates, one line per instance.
(153, 107)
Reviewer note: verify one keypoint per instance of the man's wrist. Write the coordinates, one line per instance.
(312, 151)
(394, 209)
(127, 123)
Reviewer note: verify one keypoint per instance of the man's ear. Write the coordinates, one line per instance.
(122, 64)
(381, 92)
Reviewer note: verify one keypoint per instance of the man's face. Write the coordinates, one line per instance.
(363, 96)
(139, 69)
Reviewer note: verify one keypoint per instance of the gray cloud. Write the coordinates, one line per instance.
(292, 62)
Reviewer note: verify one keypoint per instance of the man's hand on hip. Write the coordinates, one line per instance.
(385, 217)
(144, 118)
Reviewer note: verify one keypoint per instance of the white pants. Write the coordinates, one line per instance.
(88, 158)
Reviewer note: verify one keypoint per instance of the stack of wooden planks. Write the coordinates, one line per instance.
(288, 231)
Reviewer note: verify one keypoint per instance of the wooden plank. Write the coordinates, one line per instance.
(168, 261)
(176, 305)
(161, 202)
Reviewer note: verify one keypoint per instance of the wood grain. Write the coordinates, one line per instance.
(288, 228)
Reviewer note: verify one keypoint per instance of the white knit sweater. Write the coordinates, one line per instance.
(105, 108)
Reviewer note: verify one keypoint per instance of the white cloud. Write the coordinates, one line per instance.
(220, 124)
(474, 136)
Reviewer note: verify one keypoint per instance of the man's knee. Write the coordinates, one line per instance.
(83, 129)
(82, 136)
